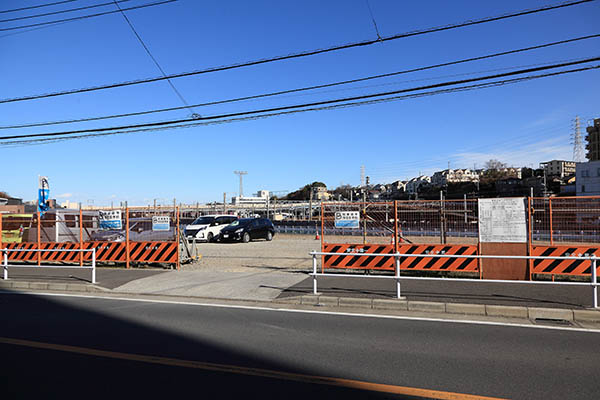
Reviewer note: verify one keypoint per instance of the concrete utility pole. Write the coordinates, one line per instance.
(241, 175)
(224, 203)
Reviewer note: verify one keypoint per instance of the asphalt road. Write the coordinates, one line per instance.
(134, 348)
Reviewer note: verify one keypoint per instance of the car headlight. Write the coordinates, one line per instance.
(202, 228)
(239, 230)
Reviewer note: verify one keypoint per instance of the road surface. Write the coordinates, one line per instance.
(72, 346)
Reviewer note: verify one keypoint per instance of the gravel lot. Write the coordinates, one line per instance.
(283, 252)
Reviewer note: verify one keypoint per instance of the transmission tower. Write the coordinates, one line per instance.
(577, 142)
(362, 176)
(241, 175)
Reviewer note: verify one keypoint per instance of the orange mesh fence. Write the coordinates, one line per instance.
(358, 223)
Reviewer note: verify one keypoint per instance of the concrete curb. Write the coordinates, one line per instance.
(53, 287)
(522, 312)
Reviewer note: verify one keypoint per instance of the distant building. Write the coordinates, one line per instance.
(593, 141)
(443, 178)
(413, 185)
(261, 198)
(558, 168)
(321, 193)
(588, 178)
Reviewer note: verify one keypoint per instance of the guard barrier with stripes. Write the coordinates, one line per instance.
(563, 267)
(363, 257)
(148, 252)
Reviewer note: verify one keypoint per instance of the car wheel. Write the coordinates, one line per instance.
(210, 237)
(269, 236)
(246, 237)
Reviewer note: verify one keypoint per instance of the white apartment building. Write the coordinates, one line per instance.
(413, 185)
(587, 181)
(443, 178)
(558, 168)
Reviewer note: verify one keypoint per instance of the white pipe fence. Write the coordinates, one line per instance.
(397, 277)
(5, 264)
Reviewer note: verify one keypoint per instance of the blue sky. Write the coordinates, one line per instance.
(521, 124)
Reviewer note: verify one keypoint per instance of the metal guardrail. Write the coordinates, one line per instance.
(5, 264)
(397, 277)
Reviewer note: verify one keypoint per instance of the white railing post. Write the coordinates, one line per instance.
(5, 263)
(94, 265)
(594, 281)
(398, 292)
(314, 262)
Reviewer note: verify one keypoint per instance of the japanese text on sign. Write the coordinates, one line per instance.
(161, 222)
(502, 220)
(347, 219)
(110, 219)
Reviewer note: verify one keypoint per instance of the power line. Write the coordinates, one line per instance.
(295, 90)
(60, 12)
(295, 55)
(372, 97)
(154, 59)
(89, 16)
(38, 6)
(289, 112)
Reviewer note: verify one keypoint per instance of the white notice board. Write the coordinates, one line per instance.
(502, 220)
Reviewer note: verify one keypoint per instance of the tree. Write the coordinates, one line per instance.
(494, 165)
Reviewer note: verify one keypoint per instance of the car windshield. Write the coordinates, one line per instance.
(241, 222)
(203, 221)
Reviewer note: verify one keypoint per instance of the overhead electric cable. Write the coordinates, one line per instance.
(87, 16)
(139, 38)
(38, 6)
(250, 115)
(292, 55)
(61, 11)
(372, 97)
(253, 97)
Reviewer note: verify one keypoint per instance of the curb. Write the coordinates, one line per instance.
(58, 287)
(530, 313)
(399, 305)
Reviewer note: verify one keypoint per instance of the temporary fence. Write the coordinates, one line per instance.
(5, 257)
(565, 219)
(590, 262)
(148, 235)
(557, 227)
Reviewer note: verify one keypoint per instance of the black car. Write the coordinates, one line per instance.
(247, 229)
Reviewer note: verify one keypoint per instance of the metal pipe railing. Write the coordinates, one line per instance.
(6, 251)
(593, 263)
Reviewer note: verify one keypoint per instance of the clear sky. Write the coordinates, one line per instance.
(521, 124)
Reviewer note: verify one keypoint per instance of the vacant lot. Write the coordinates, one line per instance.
(284, 252)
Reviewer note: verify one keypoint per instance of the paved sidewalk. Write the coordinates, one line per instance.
(448, 291)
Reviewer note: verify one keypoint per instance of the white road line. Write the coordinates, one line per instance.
(291, 310)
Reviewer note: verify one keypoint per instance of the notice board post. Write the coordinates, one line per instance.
(503, 231)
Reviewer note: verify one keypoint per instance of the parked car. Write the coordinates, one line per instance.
(247, 229)
(208, 227)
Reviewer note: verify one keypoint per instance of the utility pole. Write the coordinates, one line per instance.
(224, 203)
(241, 175)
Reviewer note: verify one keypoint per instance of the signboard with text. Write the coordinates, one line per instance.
(110, 219)
(502, 220)
(161, 222)
(347, 219)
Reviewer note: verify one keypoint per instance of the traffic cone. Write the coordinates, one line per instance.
(317, 236)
